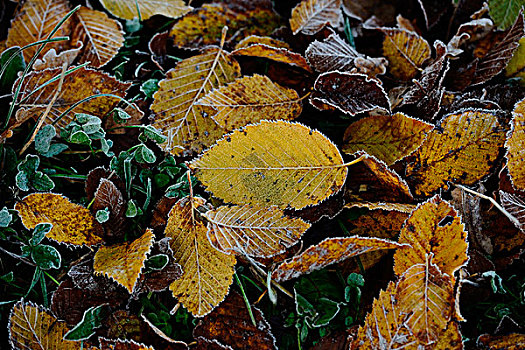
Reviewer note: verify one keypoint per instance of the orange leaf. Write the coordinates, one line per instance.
(72, 223)
(310, 16)
(123, 262)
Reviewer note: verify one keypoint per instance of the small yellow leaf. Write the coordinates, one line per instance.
(123, 262)
(72, 223)
(516, 146)
(251, 99)
(272, 163)
(254, 231)
(208, 273)
(144, 9)
(406, 52)
(389, 138)
(33, 328)
(516, 66)
(310, 16)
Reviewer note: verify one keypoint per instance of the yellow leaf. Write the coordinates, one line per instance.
(101, 35)
(516, 66)
(406, 52)
(277, 54)
(127, 9)
(516, 146)
(123, 262)
(78, 85)
(242, 19)
(34, 22)
(513, 341)
(72, 223)
(208, 273)
(389, 138)
(272, 163)
(189, 127)
(399, 207)
(433, 229)
(310, 16)
(31, 327)
(251, 99)
(254, 231)
(329, 251)
(462, 150)
(262, 40)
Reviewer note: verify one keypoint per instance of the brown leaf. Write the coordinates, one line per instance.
(278, 54)
(515, 205)
(310, 16)
(121, 344)
(108, 196)
(433, 11)
(514, 341)
(53, 60)
(384, 10)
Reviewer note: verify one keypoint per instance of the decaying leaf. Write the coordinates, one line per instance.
(516, 146)
(189, 127)
(406, 52)
(33, 328)
(80, 84)
(351, 93)
(398, 207)
(262, 40)
(329, 251)
(34, 22)
(144, 9)
(208, 273)
(72, 223)
(232, 314)
(123, 262)
(310, 16)
(469, 143)
(515, 205)
(387, 137)
(513, 341)
(101, 35)
(433, 229)
(109, 196)
(505, 12)
(251, 99)
(253, 231)
(384, 10)
(272, 163)
(52, 59)
(121, 344)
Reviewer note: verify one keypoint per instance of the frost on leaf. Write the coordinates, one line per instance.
(329, 251)
(109, 196)
(188, 126)
(387, 137)
(123, 262)
(251, 99)
(515, 205)
(272, 163)
(310, 16)
(121, 344)
(516, 147)
(72, 223)
(254, 231)
(469, 143)
(207, 272)
(129, 9)
(32, 327)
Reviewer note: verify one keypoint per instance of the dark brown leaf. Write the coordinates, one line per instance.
(109, 197)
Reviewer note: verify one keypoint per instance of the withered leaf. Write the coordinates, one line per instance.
(266, 49)
(310, 16)
(121, 344)
(72, 223)
(383, 10)
(398, 207)
(515, 145)
(513, 341)
(272, 163)
(351, 93)
(109, 196)
(515, 205)
(129, 9)
(52, 59)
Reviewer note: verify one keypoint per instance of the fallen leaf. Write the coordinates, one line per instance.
(388, 137)
(254, 231)
(513, 341)
(207, 344)
(208, 273)
(262, 40)
(310, 16)
(469, 143)
(515, 146)
(505, 12)
(121, 344)
(144, 9)
(249, 100)
(516, 66)
(272, 163)
(109, 196)
(399, 207)
(384, 10)
(329, 251)
(277, 54)
(72, 223)
(124, 262)
(189, 127)
(515, 205)
(52, 59)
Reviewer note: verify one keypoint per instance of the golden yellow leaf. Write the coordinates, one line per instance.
(72, 223)
(310, 16)
(513, 341)
(101, 35)
(433, 229)
(33, 328)
(406, 52)
(272, 163)
(277, 54)
(34, 22)
(262, 40)
(208, 273)
(389, 138)
(127, 9)
(329, 251)
(189, 127)
(251, 99)
(78, 85)
(123, 262)
(462, 150)
(516, 66)
(516, 146)
(242, 19)
(255, 231)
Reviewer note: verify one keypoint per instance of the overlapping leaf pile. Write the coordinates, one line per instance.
(204, 160)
